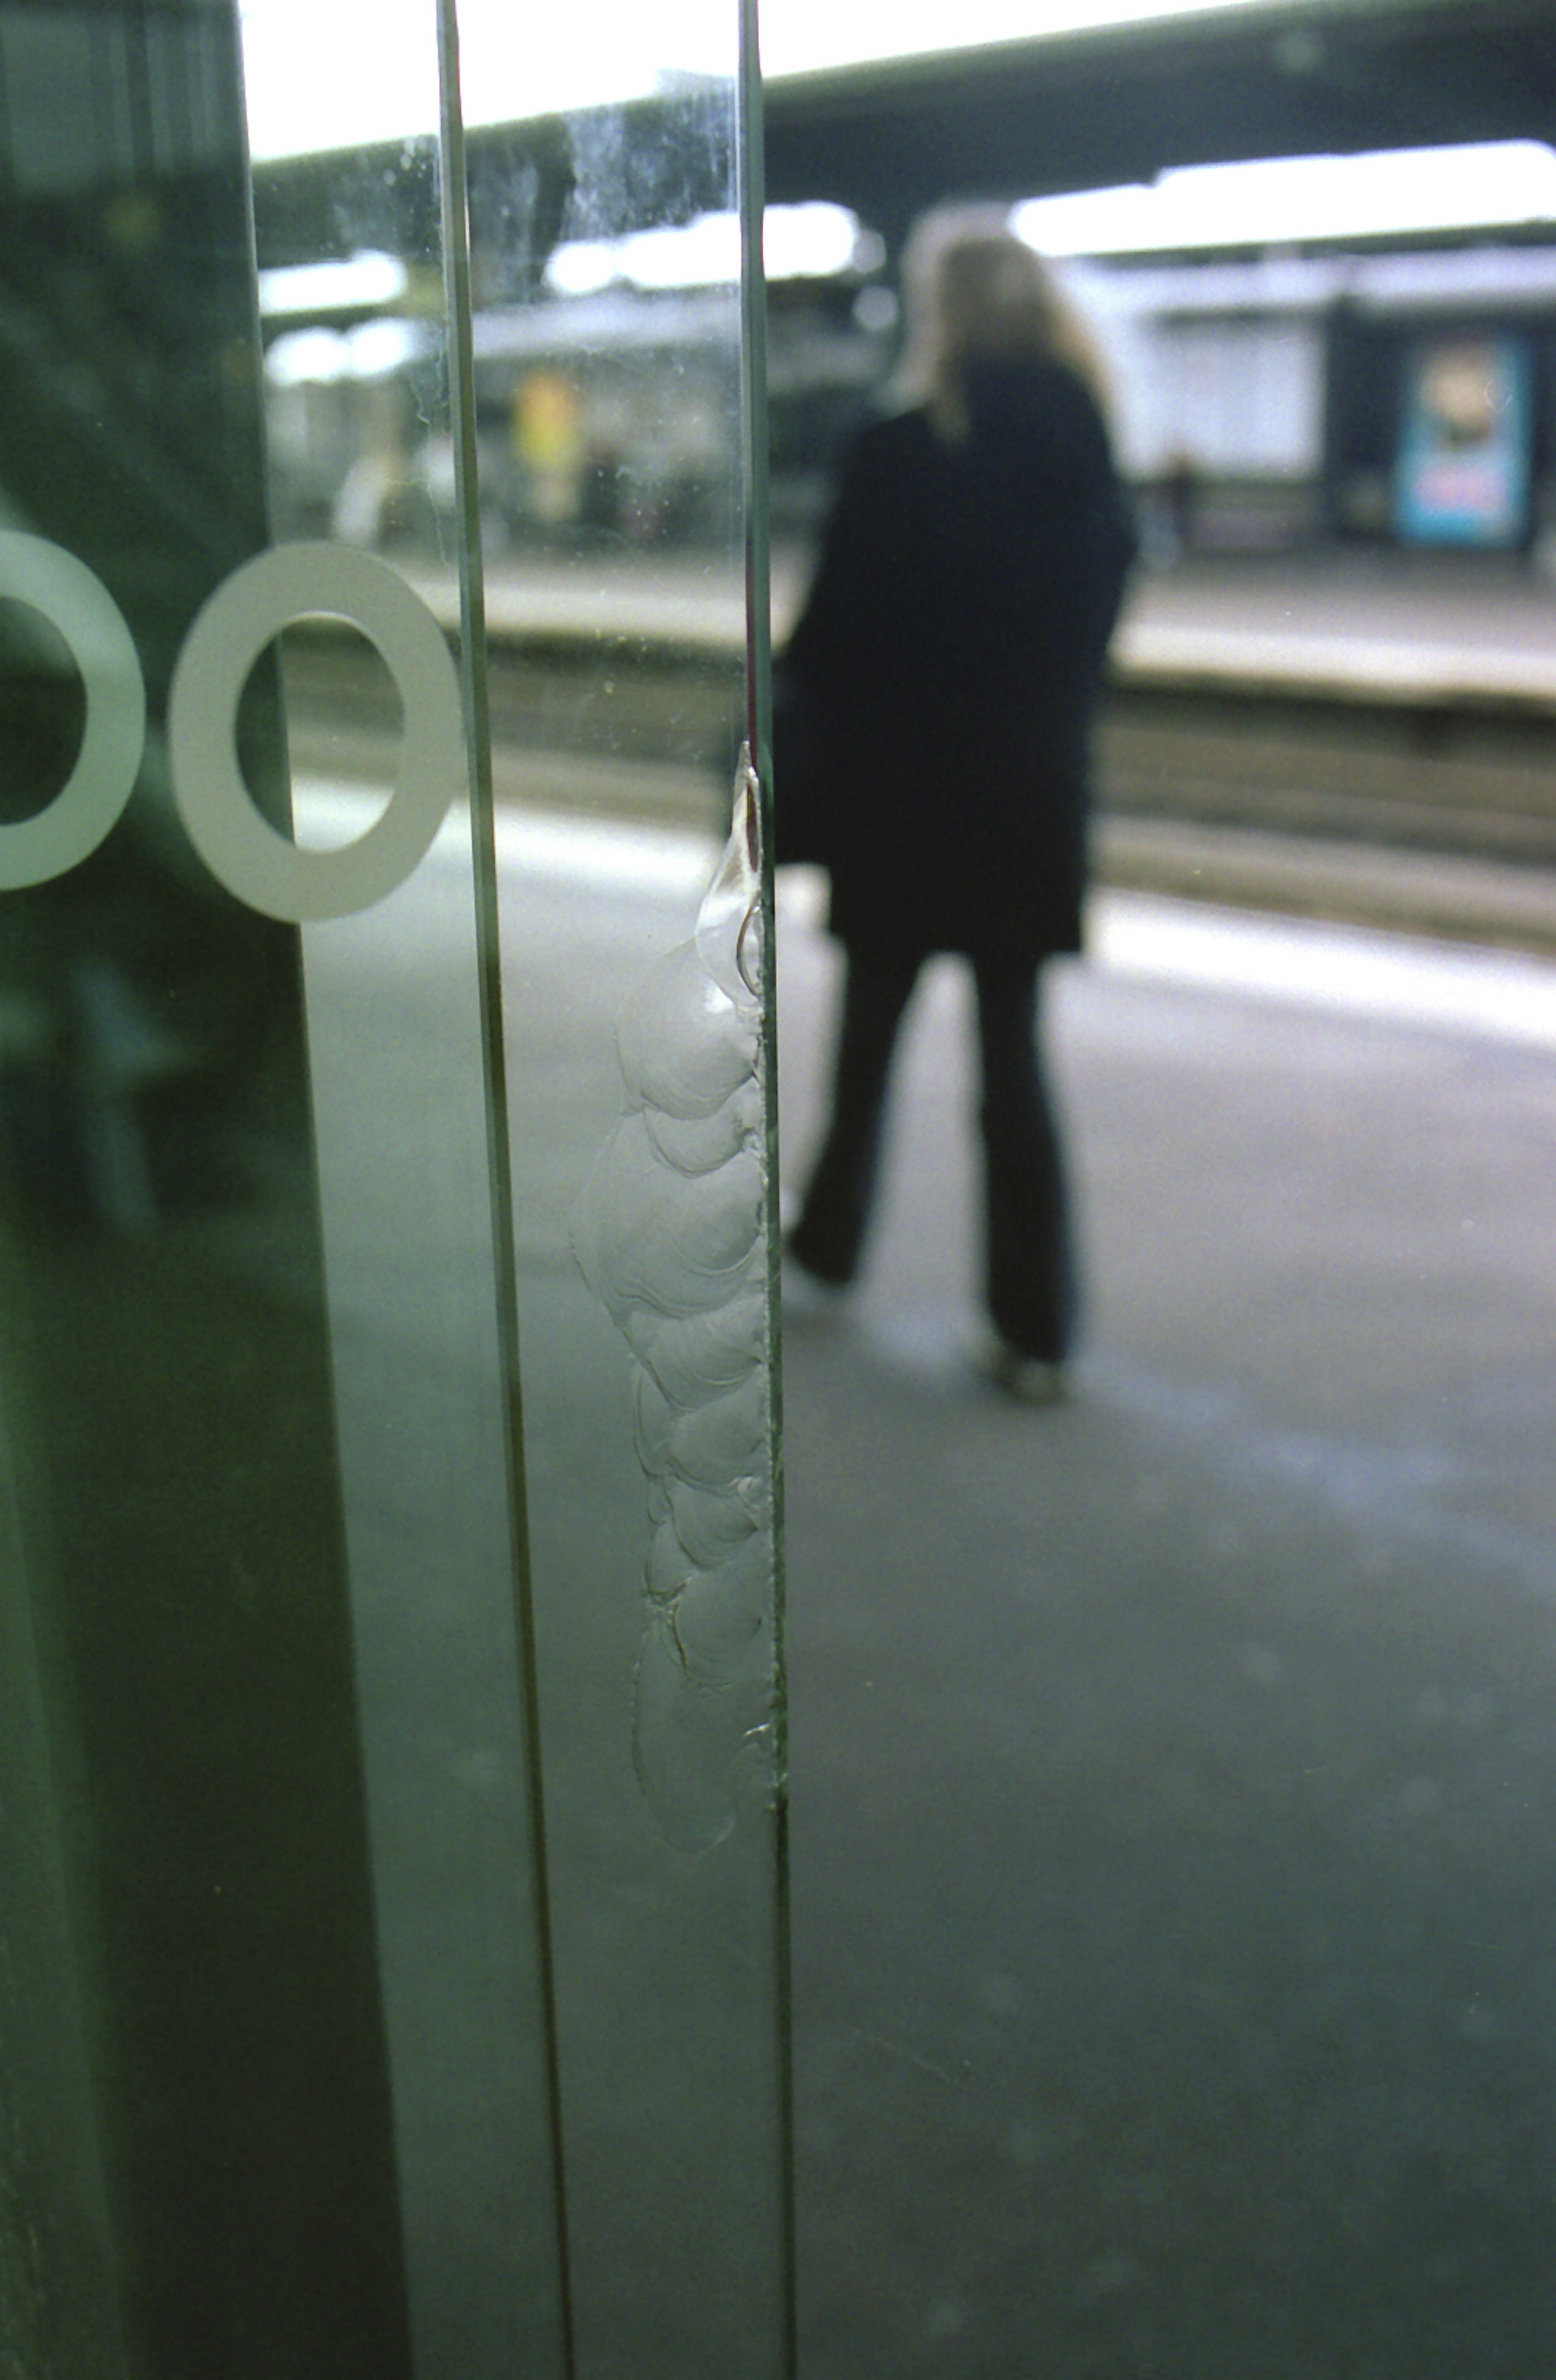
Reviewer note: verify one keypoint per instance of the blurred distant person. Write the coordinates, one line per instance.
(937, 697)
(1173, 505)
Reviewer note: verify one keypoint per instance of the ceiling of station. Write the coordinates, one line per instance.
(1057, 113)
(1088, 110)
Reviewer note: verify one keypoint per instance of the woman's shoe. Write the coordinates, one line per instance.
(807, 1297)
(1026, 1379)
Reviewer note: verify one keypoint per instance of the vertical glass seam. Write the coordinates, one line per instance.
(751, 201)
(457, 288)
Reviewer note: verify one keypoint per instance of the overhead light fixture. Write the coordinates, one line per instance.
(1277, 201)
(799, 243)
(294, 292)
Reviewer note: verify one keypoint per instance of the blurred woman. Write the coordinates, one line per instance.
(942, 682)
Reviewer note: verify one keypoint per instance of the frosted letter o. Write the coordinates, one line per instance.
(262, 866)
(92, 798)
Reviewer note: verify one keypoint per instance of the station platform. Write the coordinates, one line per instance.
(1173, 1766)
(1374, 626)
(1390, 629)
(1172, 1770)
(1364, 736)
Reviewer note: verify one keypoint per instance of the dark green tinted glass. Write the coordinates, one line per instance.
(389, 1708)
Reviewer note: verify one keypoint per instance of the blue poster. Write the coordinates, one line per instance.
(1462, 475)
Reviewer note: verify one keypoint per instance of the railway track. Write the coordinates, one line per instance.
(1396, 803)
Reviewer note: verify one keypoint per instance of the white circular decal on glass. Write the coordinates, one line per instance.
(262, 866)
(92, 798)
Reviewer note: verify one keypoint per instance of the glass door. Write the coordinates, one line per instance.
(393, 1966)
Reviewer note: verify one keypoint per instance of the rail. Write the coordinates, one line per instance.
(1365, 744)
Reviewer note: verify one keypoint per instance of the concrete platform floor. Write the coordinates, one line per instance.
(1173, 1771)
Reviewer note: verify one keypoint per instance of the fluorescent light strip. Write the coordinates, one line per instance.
(799, 242)
(1271, 201)
(290, 291)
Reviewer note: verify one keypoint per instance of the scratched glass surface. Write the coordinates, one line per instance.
(301, 1614)
(597, 509)
(608, 384)
(363, 422)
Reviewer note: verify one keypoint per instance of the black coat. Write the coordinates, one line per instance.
(936, 698)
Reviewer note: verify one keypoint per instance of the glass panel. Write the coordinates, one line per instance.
(606, 256)
(362, 412)
(199, 2173)
(310, 2070)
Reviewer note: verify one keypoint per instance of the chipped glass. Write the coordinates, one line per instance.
(670, 1233)
(615, 472)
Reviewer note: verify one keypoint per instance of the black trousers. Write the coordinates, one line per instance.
(1030, 1282)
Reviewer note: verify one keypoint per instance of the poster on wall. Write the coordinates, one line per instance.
(1462, 475)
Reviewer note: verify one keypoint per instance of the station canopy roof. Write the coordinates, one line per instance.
(1122, 103)
(1059, 112)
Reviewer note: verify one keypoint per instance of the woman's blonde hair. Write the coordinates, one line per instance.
(975, 291)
